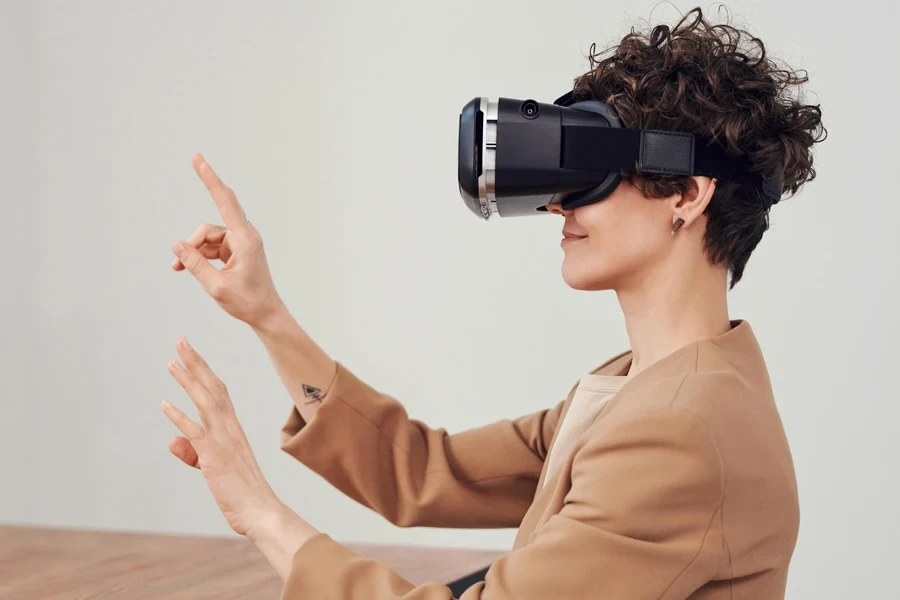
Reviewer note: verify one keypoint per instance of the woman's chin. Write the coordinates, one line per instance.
(578, 277)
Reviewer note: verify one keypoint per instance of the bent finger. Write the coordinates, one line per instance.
(194, 261)
(217, 251)
(206, 234)
(208, 251)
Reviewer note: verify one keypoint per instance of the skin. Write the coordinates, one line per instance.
(669, 292)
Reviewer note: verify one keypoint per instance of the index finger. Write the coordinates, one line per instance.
(226, 201)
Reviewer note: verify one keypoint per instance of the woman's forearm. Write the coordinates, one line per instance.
(304, 368)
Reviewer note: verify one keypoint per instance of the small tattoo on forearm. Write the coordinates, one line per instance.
(313, 392)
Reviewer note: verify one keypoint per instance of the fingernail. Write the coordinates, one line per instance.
(165, 404)
(178, 249)
(176, 365)
(185, 343)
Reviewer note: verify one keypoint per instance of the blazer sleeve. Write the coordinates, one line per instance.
(641, 521)
(363, 443)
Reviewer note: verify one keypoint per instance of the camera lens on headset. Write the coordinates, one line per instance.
(530, 109)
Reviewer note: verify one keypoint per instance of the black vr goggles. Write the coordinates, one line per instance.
(517, 156)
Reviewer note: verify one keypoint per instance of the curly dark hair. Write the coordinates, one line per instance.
(716, 81)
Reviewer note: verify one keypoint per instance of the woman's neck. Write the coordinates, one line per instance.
(668, 311)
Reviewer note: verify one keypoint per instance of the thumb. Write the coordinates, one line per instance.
(196, 263)
(182, 448)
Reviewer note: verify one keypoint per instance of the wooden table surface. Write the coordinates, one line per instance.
(45, 564)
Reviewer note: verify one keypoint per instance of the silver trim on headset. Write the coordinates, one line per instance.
(487, 179)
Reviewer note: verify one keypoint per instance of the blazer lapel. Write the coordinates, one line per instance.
(610, 367)
(545, 490)
(738, 342)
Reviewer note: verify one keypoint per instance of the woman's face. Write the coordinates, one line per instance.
(615, 242)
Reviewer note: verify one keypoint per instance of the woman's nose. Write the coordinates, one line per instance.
(557, 209)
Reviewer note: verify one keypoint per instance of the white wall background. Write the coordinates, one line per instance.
(18, 228)
(335, 122)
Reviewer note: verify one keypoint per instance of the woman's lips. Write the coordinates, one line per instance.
(569, 239)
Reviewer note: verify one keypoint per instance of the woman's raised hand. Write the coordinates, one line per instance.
(244, 286)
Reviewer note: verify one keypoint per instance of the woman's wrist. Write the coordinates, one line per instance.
(271, 319)
(306, 370)
(279, 533)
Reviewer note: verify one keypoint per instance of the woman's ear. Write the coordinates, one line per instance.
(691, 204)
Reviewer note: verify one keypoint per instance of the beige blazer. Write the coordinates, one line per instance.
(683, 487)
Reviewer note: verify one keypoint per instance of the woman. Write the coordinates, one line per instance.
(665, 473)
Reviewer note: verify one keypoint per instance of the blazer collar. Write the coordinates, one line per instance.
(735, 342)
(738, 345)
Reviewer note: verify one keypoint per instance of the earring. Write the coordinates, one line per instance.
(677, 222)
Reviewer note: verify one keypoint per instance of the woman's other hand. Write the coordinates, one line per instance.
(244, 286)
(219, 448)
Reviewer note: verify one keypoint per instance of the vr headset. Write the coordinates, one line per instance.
(517, 156)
